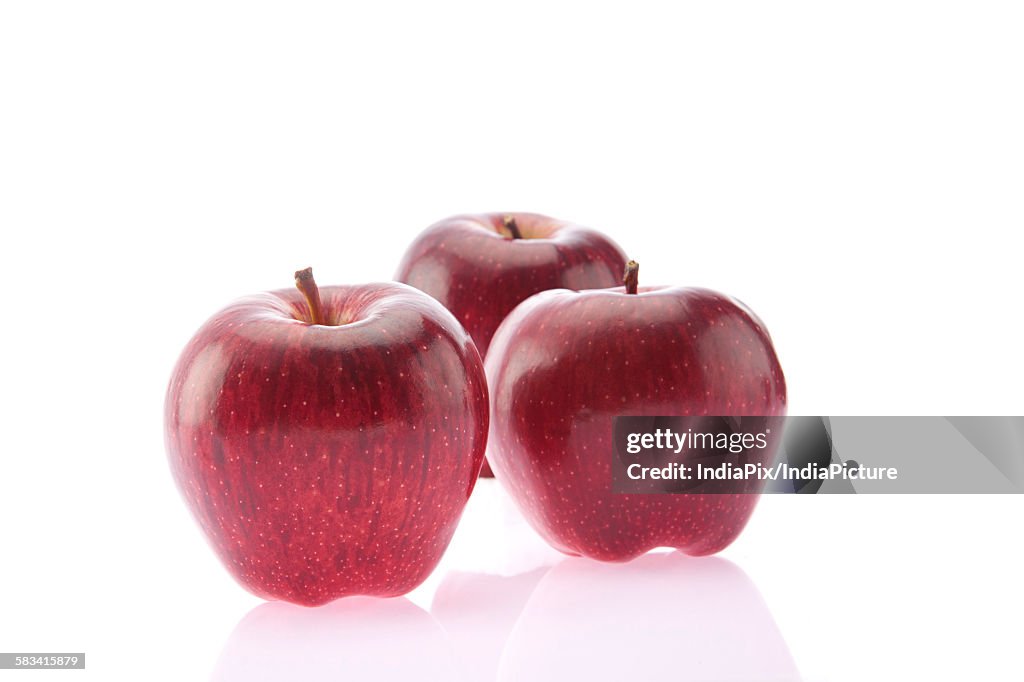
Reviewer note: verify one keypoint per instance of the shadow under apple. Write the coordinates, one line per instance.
(350, 639)
(663, 615)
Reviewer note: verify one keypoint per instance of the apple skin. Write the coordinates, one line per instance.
(326, 461)
(474, 268)
(472, 265)
(564, 364)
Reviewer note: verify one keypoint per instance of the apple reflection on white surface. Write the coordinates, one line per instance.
(358, 638)
(478, 611)
(661, 616)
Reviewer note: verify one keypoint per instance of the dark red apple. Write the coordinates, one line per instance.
(327, 440)
(482, 266)
(565, 363)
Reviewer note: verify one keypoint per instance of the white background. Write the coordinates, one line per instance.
(853, 172)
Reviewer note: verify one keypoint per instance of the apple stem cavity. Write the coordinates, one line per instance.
(307, 285)
(631, 278)
(510, 224)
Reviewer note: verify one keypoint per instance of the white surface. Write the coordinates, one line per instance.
(854, 174)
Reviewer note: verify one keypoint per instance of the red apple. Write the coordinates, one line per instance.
(327, 440)
(565, 363)
(482, 266)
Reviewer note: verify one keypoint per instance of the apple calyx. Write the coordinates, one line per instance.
(631, 278)
(305, 283)
(509, 223)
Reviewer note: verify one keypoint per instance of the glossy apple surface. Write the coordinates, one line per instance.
(482, 266)
(476, 269)
(333, 459)
(564, 364)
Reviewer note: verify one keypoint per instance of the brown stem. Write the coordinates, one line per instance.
(307, 285)
(510, 224)
(631, 278)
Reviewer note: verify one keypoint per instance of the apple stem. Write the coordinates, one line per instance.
(307, 285)
(510, 225)
(631, 278)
